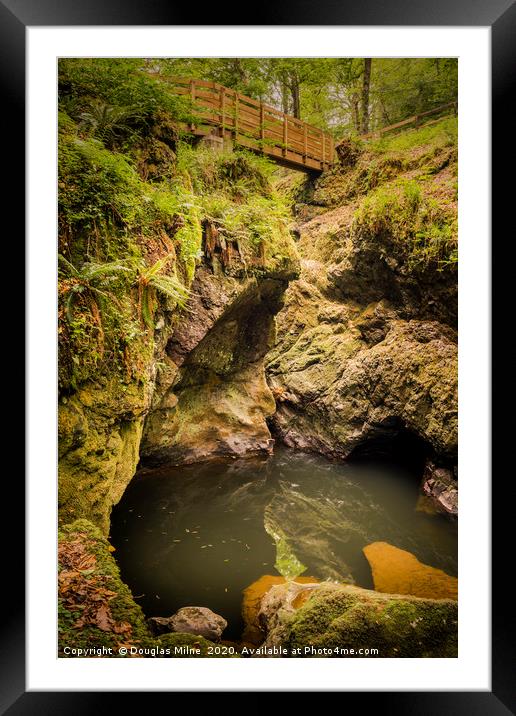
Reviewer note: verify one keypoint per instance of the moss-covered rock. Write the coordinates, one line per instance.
(253, 595)
(100, 429)
(334, 390)
(366, 344)
(138, 213)
(333, 620)
(96, 608)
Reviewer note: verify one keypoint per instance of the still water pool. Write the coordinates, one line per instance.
(198, 535)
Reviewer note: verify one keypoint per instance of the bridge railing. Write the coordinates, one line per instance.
(254, 124)
(415, 120)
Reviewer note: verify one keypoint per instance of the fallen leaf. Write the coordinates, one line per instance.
(103, 619)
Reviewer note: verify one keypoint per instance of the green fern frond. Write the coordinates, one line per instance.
(170, 287)
(147, 308)
(92, 271)
(68, 305)
(149, 272)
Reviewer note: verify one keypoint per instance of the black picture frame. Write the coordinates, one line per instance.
(500, 16)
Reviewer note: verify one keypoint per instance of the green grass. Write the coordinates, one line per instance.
(442, 133)
(425, 229)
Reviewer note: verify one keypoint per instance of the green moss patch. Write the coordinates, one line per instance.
(336, 617)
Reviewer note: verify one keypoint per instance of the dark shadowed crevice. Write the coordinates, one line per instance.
(393, 443)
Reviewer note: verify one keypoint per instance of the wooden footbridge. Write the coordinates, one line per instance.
(226, 113)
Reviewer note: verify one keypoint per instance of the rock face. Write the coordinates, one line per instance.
(213, 399)
(366, 350)
(203, 393)
(440, 486)
(334, 391)
(330, 618)
(100, 428)
(396, 571)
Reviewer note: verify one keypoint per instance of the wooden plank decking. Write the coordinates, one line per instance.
(254, 125)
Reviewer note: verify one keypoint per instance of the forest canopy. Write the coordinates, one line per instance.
(343, 95)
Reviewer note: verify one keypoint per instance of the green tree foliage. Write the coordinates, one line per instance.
(343, 95)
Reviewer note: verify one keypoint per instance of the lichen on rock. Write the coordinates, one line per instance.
(342, 620)
(366, 344)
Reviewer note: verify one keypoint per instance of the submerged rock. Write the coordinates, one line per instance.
(198, 620)
(396, 571)
(338, 620)
(440, 485)
(312, 531)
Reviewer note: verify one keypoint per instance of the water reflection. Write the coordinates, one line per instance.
(194, 535)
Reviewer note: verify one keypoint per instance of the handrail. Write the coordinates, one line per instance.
(415, 119)
(254, 124)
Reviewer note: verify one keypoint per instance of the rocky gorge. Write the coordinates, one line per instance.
(223, 310)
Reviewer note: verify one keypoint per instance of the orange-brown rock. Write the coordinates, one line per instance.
(253, 595)
(397, 571)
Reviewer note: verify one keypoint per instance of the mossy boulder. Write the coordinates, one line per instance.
(333, 620)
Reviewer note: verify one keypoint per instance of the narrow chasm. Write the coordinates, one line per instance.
(258, 392)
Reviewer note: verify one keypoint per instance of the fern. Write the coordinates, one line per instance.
(171, 287)
(92, 278)
(153, 280)
(106, 121)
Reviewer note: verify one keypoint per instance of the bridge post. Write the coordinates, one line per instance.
(192, 97)
(236, 114)
(222, 99)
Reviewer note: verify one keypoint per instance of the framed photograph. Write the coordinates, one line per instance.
(258, 270)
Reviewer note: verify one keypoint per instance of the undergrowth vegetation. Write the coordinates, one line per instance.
(423, 227)
(441, 133)
(403, 189)
(235, 191)
(134, 196)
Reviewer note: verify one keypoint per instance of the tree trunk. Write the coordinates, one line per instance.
(366, 82)
(285, 97)
(355, 112)
(239, 70)
(296, 100)
(385, 117)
